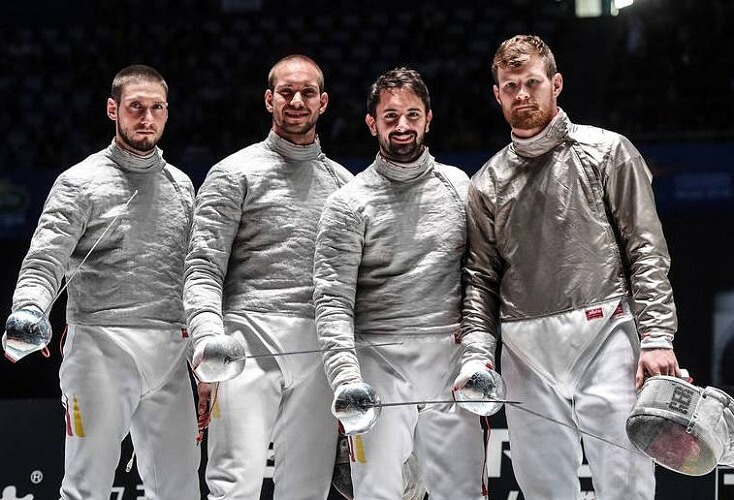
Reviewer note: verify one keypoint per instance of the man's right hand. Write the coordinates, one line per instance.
(203, 410)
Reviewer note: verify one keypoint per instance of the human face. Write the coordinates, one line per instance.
(527, 96)
(400, 124)
(140, 116)
(296, 101)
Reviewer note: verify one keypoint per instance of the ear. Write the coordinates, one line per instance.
(269, 100)
(324, 102)
(557, 82)
(429, 117)
(112, 109)
(370, 121)
(496, 91)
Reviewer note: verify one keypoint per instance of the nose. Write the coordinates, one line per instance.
(522, 93)
(402, 124)
(297, 99)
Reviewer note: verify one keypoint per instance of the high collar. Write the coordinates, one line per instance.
(133, 163)
(553, 134)
(294, 152)
(404, 172)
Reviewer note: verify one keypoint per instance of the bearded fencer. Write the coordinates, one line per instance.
(388, 266)
(124, 363)
(567, 257)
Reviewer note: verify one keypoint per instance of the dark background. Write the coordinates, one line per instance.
(660, 72)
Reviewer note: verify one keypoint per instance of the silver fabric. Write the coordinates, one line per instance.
(683, 427)
(388, 258)
(254, 230)
(134, 276)
(560, 222)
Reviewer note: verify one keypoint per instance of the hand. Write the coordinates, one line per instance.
(203, 411)
(218, 358)
(356, 405)
(479, 389)
(26, 331)
(467, 370)
(656, 362)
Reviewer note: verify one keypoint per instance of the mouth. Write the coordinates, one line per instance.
(525, 107)
(402, 137)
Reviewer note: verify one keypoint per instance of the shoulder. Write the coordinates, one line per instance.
(596, 140)
(340, 170)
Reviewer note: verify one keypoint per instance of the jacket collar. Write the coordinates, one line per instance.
(294, 152)
(405, 172)
(545, 140)
(134, 163)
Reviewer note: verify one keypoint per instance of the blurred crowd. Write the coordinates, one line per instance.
(670, 70)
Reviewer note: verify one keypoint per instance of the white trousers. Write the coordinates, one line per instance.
(546, 456)
(286, 400)
(117, 380)
(448, 441)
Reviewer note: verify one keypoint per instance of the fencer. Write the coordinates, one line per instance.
(249, 276)
(124, 366)
(566, 253)
(388, 265)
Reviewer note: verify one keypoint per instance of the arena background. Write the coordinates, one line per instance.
(660, 72)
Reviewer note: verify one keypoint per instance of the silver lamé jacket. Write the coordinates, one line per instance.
(388, 258)
(134, 277)
(559, 222)
(255, 221)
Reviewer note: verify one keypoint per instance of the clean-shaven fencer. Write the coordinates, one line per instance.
(249, 275)
(124, 367)
(388, 266)
(566, 252)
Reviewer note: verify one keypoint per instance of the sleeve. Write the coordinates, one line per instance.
(216, 221)
(62, 222)
(339, 244)
(631, 203)
(482, 275)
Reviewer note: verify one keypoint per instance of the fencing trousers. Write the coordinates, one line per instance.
(284, 399)
(116, 380)
(546, 456)
(448, 441)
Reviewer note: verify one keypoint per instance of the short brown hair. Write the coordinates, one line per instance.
(515, 51)
(295, 57)
(134, 74)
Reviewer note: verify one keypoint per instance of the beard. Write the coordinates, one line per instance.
(143, 145)
(529, 119)
(298, 128)
(402, 152)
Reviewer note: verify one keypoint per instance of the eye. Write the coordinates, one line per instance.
(158, 106)
(309, 93)
(414, 115)
(136, 106)
(533, 82)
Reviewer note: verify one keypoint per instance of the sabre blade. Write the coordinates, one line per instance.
(312, 351)
(443, 401)
(101, 237)
(575, 429)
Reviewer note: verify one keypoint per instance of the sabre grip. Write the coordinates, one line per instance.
(357, 407)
